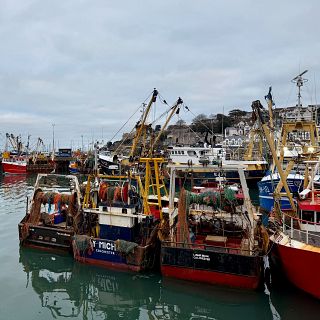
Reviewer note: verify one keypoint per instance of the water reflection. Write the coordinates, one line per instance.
(66, 289)
(72, 290)
(14, 190)
(292, 303)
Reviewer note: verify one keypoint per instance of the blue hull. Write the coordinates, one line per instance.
(106, 251)
(267, 187)
(73, 170)
(267, 203)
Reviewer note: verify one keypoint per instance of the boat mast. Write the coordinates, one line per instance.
(299, 81)
(256, 107)
(174, 109)
(141, 127)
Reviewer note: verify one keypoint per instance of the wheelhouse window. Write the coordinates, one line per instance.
(191, 153)
(307, 215)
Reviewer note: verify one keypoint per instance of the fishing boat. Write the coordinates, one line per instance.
(123, 219)
(21, 161)
(296, 242)
(196, 154)
(14, 164)
(297, 252)
(74, 167)
(53, 213)
(214, 240)
(109, 164)
(298, 140)
(204, 155)
(119, 227)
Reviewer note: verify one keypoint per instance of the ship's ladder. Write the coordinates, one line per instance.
(153, 183)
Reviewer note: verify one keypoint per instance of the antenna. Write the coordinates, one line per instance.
(299, 81)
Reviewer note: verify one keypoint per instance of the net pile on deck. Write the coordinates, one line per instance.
(51, 198)
(213, 199)
(109, 194)
(209, 198)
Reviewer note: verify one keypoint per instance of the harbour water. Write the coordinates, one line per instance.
(39, 285)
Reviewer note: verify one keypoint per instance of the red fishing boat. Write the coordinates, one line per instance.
(14, 165)
(21, 161)
(299, 259)
(297, 246)
(295, 235)
(214, 239)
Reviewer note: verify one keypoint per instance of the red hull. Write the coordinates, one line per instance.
(109, 264)
(301, 268)
(11, 167)
(211, 277)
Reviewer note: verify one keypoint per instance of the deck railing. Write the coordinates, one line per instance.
(308, 236)
(209, 247)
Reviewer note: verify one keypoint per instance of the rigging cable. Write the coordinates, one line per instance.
(210, 130)
(148, 97)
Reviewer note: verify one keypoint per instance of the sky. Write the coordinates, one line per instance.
(87, 65)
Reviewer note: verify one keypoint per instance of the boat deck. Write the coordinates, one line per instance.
(313, 237)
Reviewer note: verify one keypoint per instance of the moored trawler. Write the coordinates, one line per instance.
(296, 241)
(123, 220)
(14, 165)
(214, 239)
(298, 255)
(21, 161)
(298, 141)
(118, 230)
(53, 213)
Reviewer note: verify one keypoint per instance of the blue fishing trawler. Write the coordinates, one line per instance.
(118, 230)
(298, 141)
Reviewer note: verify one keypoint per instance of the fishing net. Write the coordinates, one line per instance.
(125, 247)
(209, 198)
(229, 194)
(60, 201)
(81, 244)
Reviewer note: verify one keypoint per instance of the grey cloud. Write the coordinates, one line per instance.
(87, 65)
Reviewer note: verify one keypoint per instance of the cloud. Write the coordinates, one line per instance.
(20, 119)
(87, 65)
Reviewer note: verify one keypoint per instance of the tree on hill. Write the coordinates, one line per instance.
(236, 115)
(200, 123)
(180, 123)
(220, 123)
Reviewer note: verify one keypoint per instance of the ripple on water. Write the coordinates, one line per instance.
(14, 191)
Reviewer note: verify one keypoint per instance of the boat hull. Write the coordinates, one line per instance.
(207, 266)
(45, 238)
(14, 168)
(267, 203)
(108, 167)
(301, 267)
(267, 187)
(73, 170)
(103, 253)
